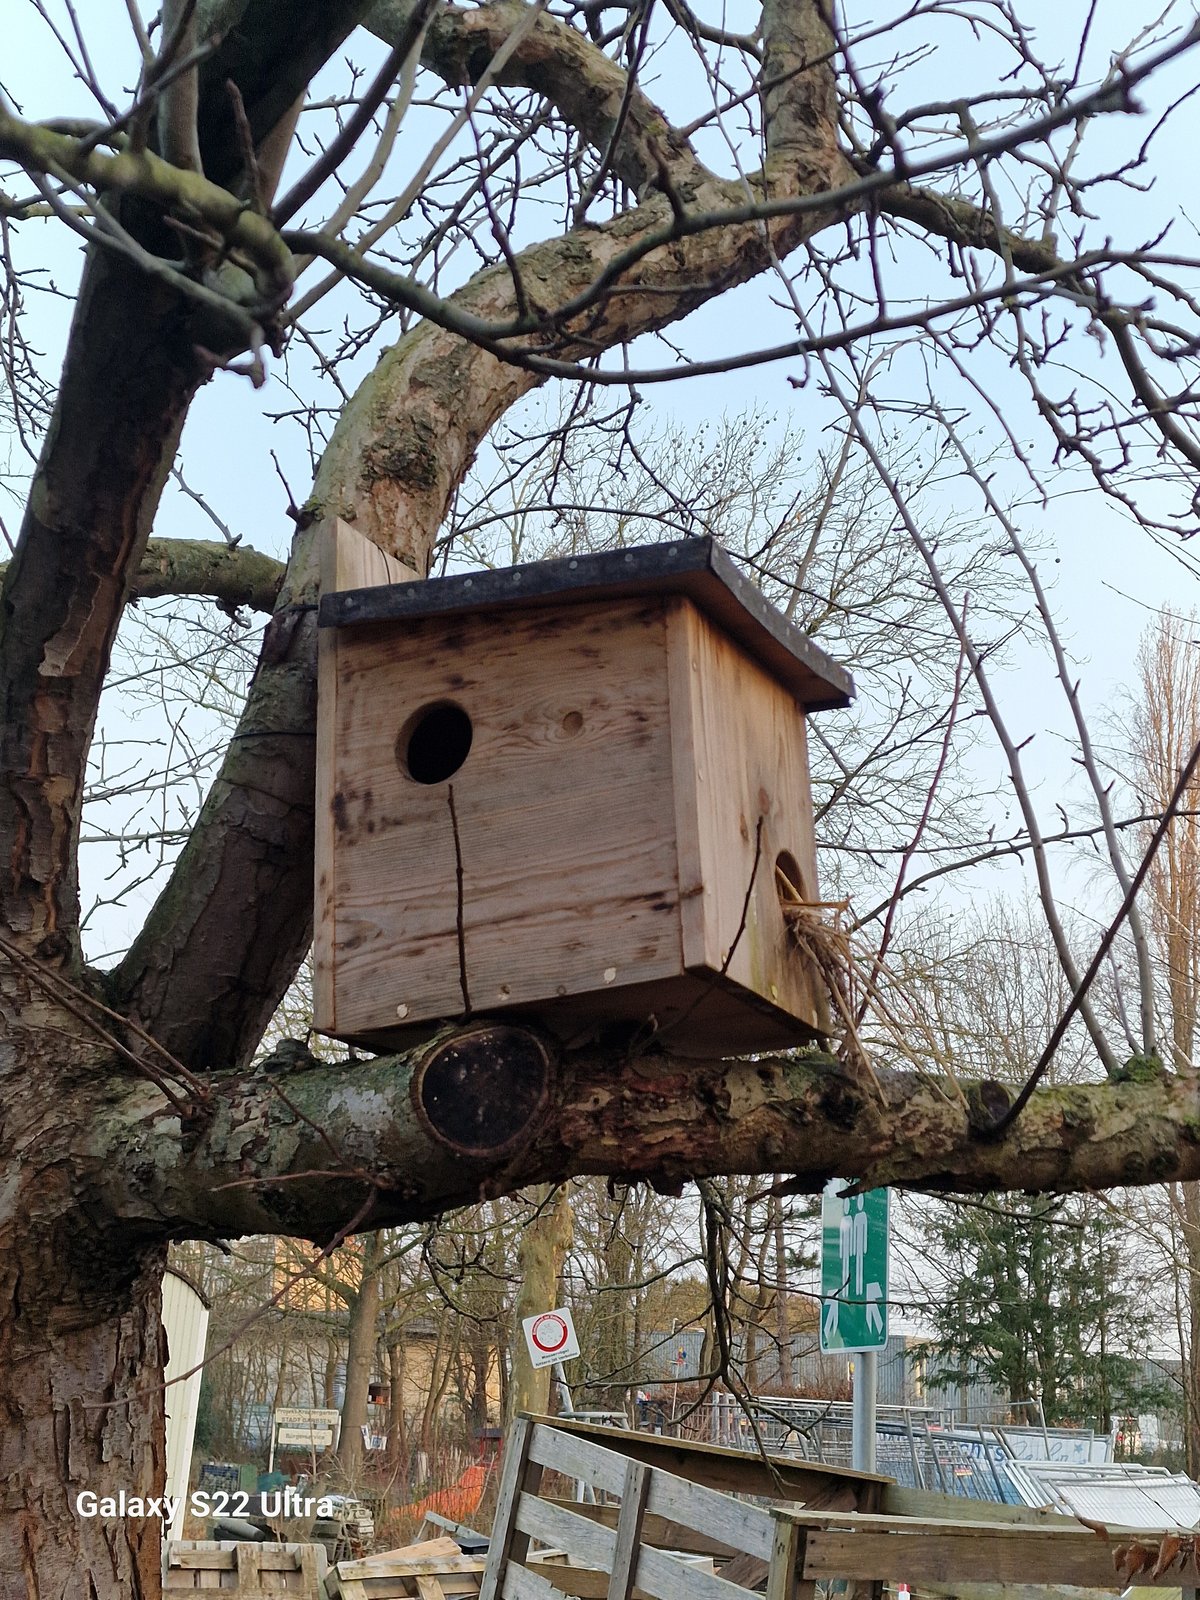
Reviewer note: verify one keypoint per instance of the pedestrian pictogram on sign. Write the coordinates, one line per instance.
(551, 1337)
(854, 1270)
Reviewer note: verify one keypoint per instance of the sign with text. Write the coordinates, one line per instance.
(854, 1270)
(550, 1337)
(306, 1416)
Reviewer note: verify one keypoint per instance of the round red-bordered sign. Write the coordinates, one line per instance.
(550, 1333)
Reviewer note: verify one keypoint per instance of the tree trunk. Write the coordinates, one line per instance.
(783, 1326)
(1190, 1231)
(360, 1355)
(543, 1245)
(81, 1408)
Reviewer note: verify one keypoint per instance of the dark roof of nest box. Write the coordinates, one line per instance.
(697, 568)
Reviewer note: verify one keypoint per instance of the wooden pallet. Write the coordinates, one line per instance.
(245, 1569)
(434, 1569)
(615, 1553)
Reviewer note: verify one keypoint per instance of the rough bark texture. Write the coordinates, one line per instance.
(258, 1159)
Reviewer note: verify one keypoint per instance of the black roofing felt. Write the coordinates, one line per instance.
(697, 568)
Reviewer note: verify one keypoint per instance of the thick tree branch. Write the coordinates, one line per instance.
(587, 88)
(293, 1147)
(232, 575)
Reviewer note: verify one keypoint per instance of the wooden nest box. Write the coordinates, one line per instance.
(564, 791)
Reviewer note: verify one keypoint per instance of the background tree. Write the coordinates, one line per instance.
(1041, 1300)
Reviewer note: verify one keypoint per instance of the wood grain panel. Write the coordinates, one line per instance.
(347, 561)
(563, 806)
(743, 797)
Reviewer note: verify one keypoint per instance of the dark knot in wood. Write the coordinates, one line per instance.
(481, 1089)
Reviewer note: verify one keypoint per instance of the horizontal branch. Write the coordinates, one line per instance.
(232, 575)
(295, 1146)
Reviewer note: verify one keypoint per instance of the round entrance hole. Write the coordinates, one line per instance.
(435, 742)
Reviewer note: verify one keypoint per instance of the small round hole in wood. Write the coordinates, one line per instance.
(434, 743)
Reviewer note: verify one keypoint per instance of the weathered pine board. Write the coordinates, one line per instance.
(921, 1552)
(627, 1550)
(517, 1474)
(737, 1471)
(585, 1583)
(660, 1531)
(739, 1526)
(522, 1584)
(898, 1501)
(782, 1577)
(383, 1566)
(346, 560)
(742, 790)
(570, 879)
(658, 1574)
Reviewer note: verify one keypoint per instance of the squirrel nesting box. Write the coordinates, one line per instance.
(563, 791)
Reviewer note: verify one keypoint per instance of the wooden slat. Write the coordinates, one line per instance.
(983, 1554)
(346, 560)
(739, 1527)
(897, 1501)
(424, 1549)
(968, 1524)
(659, 1531)
(588, 1542)
(735, 1471)
(788, 1542)
(517, 1470)
(577, 1458)
(249, 1568)
(658, 1573)
(627, 1549)
(521, 1584)
(388, 1566)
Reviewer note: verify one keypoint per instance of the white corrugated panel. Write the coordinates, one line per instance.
(185, 1317)
(1124, 1495)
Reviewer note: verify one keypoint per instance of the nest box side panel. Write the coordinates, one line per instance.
(744, 807)
(562, 810)
(347, 560)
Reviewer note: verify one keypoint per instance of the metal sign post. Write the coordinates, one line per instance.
(854, 1299)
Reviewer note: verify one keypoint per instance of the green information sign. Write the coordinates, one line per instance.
(854, 1270)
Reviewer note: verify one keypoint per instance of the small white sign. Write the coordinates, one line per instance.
(306, 1438)
(303, 1416)
(551, 1337)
